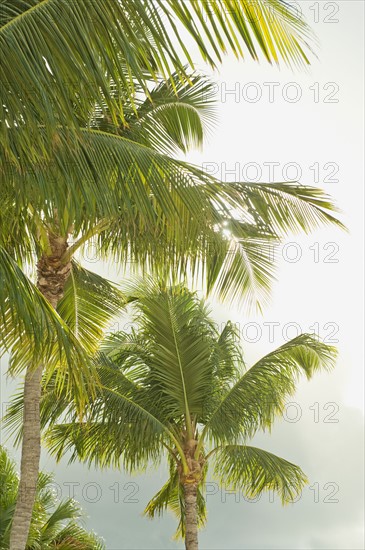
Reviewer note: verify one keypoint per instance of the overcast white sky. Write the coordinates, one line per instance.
(321, 136)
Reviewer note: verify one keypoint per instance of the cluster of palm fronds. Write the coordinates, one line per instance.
(97, 99)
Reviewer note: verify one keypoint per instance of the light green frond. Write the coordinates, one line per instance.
(242, 270)
(19, 228)
(285, 206)
(260, 394)
(227, 356)
(34, 333)
(88, 306)
(166, 497)
(31, 329)
(271, 29)
(253, 471)
(227, 361)
(130, 352)
(118, 428)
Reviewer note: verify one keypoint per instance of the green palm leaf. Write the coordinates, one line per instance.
(174, 117)
(118, 417)
(284, 206)
(253, 471)
(260, 394)
(179, 360)
(89, 305)
(30, 328)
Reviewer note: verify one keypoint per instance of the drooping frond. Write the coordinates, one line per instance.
(285, 206)
(260, 394)
(35, 334)
(270, 28)
(253, 471)
(88, 306)
(242, 269)
(179, 338)
(30, 328)
(118, 428)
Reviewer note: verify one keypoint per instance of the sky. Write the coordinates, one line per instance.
(275, 125)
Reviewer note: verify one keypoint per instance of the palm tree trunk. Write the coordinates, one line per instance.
(52, 277)
(31, 450)
(191, 515)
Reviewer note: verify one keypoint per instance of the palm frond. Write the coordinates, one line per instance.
(241, 270)
(271, 29)
(260, 394)
(30, 328)
(227, 360)
(88, 306)
(173, 117)
(180, 341)
(253, 471)
(285, 206)
(118, 427)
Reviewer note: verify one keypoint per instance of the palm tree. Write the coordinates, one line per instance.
(175, 386)
(58, 56)
(123, 191)
(54, 524)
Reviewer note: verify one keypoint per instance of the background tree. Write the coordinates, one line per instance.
(175, 386)
(54, 523)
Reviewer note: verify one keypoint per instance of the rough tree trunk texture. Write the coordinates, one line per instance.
(191, 511)
(52, 277)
